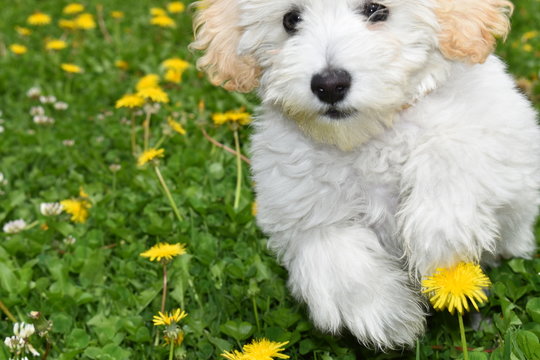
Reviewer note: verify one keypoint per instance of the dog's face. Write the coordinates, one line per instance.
(342, 69)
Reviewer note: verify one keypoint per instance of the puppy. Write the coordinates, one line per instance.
(389, 142)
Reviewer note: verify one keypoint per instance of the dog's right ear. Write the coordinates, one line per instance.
(217, 33)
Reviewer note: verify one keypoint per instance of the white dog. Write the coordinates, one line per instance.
(389, 143)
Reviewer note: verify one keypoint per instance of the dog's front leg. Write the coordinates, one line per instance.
(447, 209)
(347, 279)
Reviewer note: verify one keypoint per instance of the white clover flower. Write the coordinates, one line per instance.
(14, 343)
(43, 120)
(1, 129)
(47, 99)
(14, 226)
(68, 142)
(31, 349)
(37, 110)
(51, 209)
(70, 240)
(60, 105)
(115, 167)
(33, 92)
(1, 177)
(23, 330)
(152, 108)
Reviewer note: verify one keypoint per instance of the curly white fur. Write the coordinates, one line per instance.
(439, 162)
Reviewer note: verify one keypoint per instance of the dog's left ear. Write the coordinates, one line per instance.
(469, 28)
(217, 33)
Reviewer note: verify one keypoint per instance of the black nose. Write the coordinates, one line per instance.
(332, 85)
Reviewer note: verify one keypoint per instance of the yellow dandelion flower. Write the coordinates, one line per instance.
(527, 47)
(18, 49)
(39, 19)
(176, 7)
(55, 44)
(85, 22)
(175, 64)
(154, 94)
(83, 193)
(147, 81)
(121, 64)
(237, 116)
(176, 126)
(71, 68)
(117, 14)
(201, 106)
(150, 155)
(77, 208)
(174, 76)
(67, 24)
(262, 349)
(130, 101)
(163, 21)
(73, 8)
(164, 251)
(23, 31)
(155, 11)
(167, 319)
(451, 288)
(254, 208)
(178, 339)
(234, 355)
(529, 35)
(265, 349)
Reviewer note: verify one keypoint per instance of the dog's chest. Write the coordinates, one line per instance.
(301, 184)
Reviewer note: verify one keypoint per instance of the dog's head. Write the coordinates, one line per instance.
(342, 69)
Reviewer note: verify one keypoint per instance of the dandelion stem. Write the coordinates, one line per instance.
(417, 349)
(168, 193)
(159, 142)
(164, 294)
(146, 126)
(238, 171)
(101, 23)
(224, 147)
(32, 225)
(463, 339)
(171, 351)
(133, 135)
(7, 312)
(256, 313)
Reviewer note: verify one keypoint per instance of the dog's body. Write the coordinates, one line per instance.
(413, 152)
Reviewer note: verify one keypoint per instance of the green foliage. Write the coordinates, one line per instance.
(98, 292)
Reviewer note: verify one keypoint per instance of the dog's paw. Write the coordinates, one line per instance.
(388, 321)
(387, 316)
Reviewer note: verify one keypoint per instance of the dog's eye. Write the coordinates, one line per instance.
(375, 12)
(291, 21)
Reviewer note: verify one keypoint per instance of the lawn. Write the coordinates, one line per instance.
(80, 277)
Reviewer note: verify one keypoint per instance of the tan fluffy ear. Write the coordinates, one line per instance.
(217, 34)
(469, 28)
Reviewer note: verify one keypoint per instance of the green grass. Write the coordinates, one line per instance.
(99, 293)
